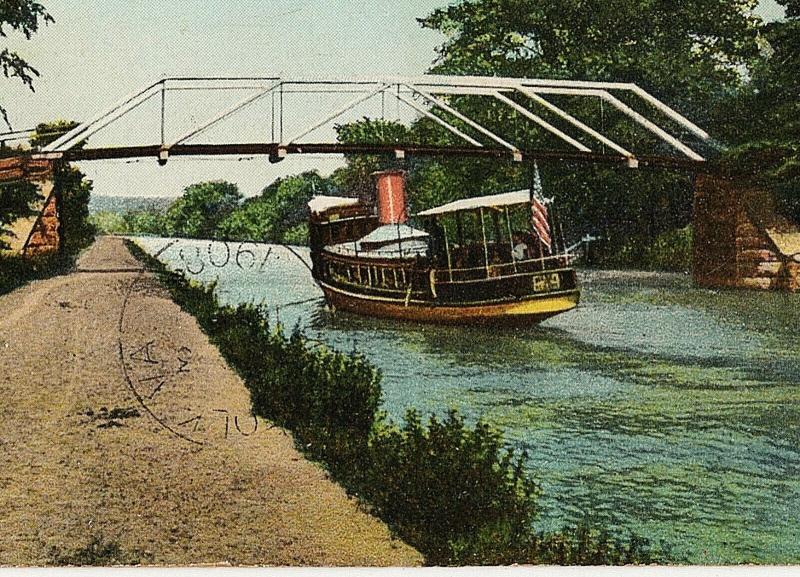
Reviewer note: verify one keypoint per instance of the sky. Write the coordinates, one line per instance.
(97, 52)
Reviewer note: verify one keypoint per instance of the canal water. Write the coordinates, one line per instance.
(660, 408)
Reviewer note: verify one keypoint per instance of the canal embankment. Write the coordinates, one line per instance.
(127, 439)
(456, 491)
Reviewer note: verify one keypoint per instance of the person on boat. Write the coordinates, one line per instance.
(438, 244)
(521, 250)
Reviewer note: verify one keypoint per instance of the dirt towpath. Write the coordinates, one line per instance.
(121, 424)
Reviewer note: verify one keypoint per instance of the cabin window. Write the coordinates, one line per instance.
(394, 276)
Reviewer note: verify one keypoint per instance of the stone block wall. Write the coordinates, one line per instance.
(40, 234)
(740, 241)
(45, 234)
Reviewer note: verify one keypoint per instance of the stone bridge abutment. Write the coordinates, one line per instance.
(40, 233)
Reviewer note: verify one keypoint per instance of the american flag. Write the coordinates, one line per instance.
(539, 219)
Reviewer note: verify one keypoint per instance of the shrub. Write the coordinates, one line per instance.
(454, 492)
(97, 553)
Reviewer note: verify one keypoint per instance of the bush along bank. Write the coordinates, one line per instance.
(453, 491)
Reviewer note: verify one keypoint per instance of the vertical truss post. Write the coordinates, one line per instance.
(242, 104)
(281, 112)
(272, 117)
(163, 112)
(628, 111)
(353, 103)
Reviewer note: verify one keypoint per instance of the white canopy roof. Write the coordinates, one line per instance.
(491, 201)
(322, 203)
(387, 241)
(393, 233)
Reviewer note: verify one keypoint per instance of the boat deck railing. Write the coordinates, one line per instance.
(418, 274)
(502, 269)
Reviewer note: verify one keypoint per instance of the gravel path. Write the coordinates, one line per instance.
(121, 424)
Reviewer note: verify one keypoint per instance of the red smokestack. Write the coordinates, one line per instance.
(391, 196)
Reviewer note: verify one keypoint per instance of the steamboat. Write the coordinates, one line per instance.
(472, 261)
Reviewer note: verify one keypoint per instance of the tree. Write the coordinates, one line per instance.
(18, 199)
(23, 16)
(203, 206)
(769, 149)
(684, 52)
(279, 213)
(47, 132)
(73, 189)
(689, 54)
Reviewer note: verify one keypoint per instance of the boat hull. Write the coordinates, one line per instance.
(519, 311)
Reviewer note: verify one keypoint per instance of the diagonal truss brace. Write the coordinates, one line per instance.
(429, 114)
(540, 121)
(447, 108)
(431, 88)
(352, 104)
(574, 121)
(241, 105)
(103, 119)
(625, 109)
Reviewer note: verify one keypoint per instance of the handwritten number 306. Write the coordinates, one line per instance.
(244, 258)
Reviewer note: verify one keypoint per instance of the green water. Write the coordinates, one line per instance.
(666, 410)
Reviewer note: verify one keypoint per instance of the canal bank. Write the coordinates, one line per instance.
(127, 439)
(663, 409)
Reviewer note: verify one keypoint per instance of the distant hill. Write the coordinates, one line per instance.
(122, 204)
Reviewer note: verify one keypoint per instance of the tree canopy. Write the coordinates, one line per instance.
(684, 52)
(201, 209)
(279, 213)
(762, 120)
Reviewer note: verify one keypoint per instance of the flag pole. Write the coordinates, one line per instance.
(536, 183)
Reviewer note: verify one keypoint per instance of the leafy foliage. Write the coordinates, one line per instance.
(77, 232)
(279, 213)
(47, 132)
(201, 209)
(23, 16)
(460, 481)
(769, 150)
(215, 210)
(683, 52)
